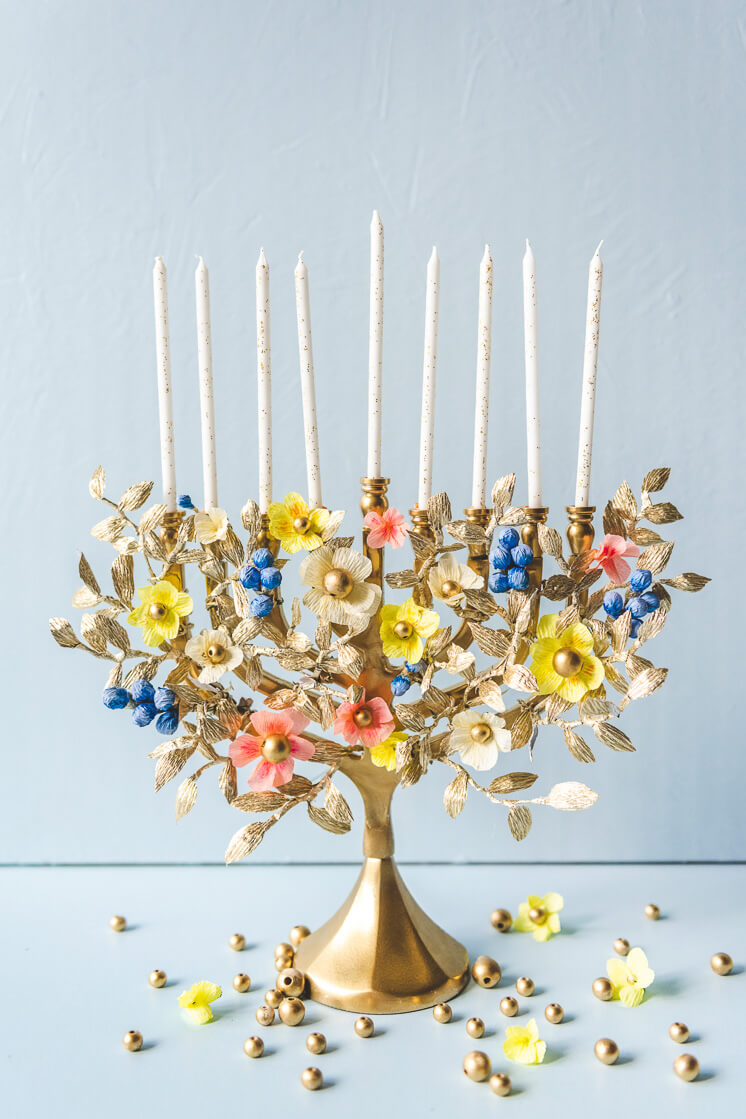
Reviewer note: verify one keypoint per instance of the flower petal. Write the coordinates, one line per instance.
(263, 777)
(553, 903)
(547, 626)
(631, 995)
(617, 972)
(480, 756)
(301, 748)
(244, 749)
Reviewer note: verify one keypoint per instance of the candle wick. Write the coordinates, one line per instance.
(598, 250)
(300, 258)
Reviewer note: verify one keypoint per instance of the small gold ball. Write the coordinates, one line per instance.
(273, 997)
(276, 748)
(265, 1015)
(157, 610)
(449, 588)
(621, 946)
(253, 1047)
(241, 983)
(157, 978)
(501, 919)
(442, 1012)
(509, 1006)
(403, 630)
(298, 933)
(216, 653)
(481, 733)
(292, 1012)
(477, 1065)
(500, 1083)
(602, 988)
(237, 942)
(364, 1027)
(118, 924)
(652, 912)
(606, 1050)
(363, 718)
(291, 982)
(475, 1027)
(132, 1040)
(554, 1013)
(338, 583)
(721, 963)
(567, 662)
(686, 1067)
(284, 949)
(677, 1031)
(316, 1043)
(486, 972)
(300, 524)
(525, 986)
(537, 915)
(311, 1078)
(282, 963)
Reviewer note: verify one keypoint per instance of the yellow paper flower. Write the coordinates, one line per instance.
(384, 754)
(159, 614)
(539, 915)
(565, 664)
(197, 1000)
(523, 1044)
(405, 629)
(211, 526)
(297, 527)
(630, 976)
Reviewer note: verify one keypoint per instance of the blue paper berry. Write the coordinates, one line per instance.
(518, 579)
(184, 501)
(262, 557)
(164, 698)
(508, 537)
(498, 582)
(613, 603)
(634, 629)
(142, 691)
(144, 714)
(271, 577)
(637, 607)
(400, 685)
(419, 667)
(249, 577)
(522, 555)
(651, 600)
(168, 721)
(116, 698)
(260, 606)
(640, 580)
(500, 558)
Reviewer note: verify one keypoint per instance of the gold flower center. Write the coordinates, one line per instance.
(403, 630)
(300, 524)
(157, 610)
(275, 748)
(215, 653)
(450, 587)
(338, 583)
(481, 733)
(362, 718)
(537, 916)
(567, 661)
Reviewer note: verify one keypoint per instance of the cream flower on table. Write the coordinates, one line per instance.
(211, 525)
(214, 652)
(630, 977)
(449, 579)
(478, 736)
(337, 578)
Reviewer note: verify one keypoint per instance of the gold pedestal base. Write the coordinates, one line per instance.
(380, 954)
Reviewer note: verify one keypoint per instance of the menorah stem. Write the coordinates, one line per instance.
(374, 500)
(580, 535)
(530, 535)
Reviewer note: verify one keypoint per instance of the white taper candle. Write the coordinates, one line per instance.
(375, 347)
(308, 392)
(165, 395)
(590, 366)
(206, 401)
(429, 367)
(531, 345)
(264, 383)
(482, 404)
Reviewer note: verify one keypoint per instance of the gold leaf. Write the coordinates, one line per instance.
(467, 532)
(232, 548)
(135, 496)
(644, 536)
(281, 699)
(687, 581)
(109, 529)
(295, 613)
(227, 782)
(490, 693)
(327, 709)
(351, 660)
(247, 840)
(624, 502)
(578, 746)
(170, 765)
(437, 642)
(459, 660)
(410, 774)
(186, 797)
(571, 796)
(437, 701)
(613, 737)
(550, 541)
(454, 797)
(557, 706)
(645, 684)
(97, 484)
(511, 783)
(63, 633)
(336, 805)
(246, 630)
(251, 518)
(620, 631)
(409, 717)
(656, 479)
(297, 786)
(514, 515)
(438, 510)
(521, 729)
(522, 615)
(502, 492)
(127, 545)
(663, 514)
(590, 707)
(323, 636)
(520, 678)
(85, 598)
(151, 518)
(652, 626)
(305, 703)
(567, 617)
(614, 523)
(422, 546)
(655, 558)
(519, 821)
(324, 820)
(480, 601)
(615, 678)
(492, 642)
(258, 802)
(87, 576)
(122, 577)
(558, 587)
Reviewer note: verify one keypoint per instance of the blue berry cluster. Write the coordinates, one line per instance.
(261, 576)
(411, 673)
(509, 560)
(148, 702)
(642, 602)
(184, 501)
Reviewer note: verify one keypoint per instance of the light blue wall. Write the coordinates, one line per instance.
(131, 129)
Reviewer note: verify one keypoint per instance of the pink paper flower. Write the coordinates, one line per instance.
(609, 557)
(388, 528)
(367, 723)
(276, 743)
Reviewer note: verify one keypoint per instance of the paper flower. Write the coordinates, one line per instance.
(610, 557)
(338, 591)
(540, 915)
(565, 664)
(197, 1000)
(214, 651)
(523, 1044)
(277, 743)
(211, 526)
(478, 736)
(297, 527)
(630, 977)
(449, 579)
(366, 723)
(405, 629)
(384, 755)
(386, 528)
(159, 614)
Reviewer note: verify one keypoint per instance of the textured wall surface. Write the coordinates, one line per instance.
(130, 130)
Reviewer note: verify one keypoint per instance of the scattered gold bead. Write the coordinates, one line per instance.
(477, 1065)
(442, 1012)
(157, 978)
(475, 1027)
(677, 1031)
(265, 1015)
(284, 949)
(652, 912)
(621, 946)
(237, 942)
(501, 919)
(291, 982)
(509, 1006)
(364, 1027)
(282, 963)
(486, 971)
(500, 1084)
(253, 1047)
(292, 1012)
(316, 1043)
(273, 997)
(241, 983)
(118, 924)
(721, 963)
(298, 933)
(602, 988)
(606, 1050)
(132, 1040)
(554, 1013)
(311, 1078)
(686, 1067)
(525, 986)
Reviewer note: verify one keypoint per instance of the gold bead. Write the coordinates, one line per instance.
(237, 942)
(481, 733)
(316, 1043)
(276, 748)
(554, 1013)
(477, 1065)
(300, 524)
(606, 1050)
(363, 717)
(364, 1027)
(311, 1078)
(686, 1067)
(509, 1006)
(157, 978)
(721, 963)
(567, 662)
(292, 1012)
(442, 1012)
(216, 653)
(486, 972)
(157, 610)
(282, 963)
(475, 1027)
(284, 949)
(273, 997)
(537, 915)
(500, 1083)
(677, 1031)
(265, 1015)
(253, 1047)
(291, 982)
(298, 933)
(450, 587)
(602, 988)
(241, 983)
(501, 919)
(621, 946)
(132, 1040)
(118, 924)
(525, 986)
(652, 912)
(338, 583)
(403, 630)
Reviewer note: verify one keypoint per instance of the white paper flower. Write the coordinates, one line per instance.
(211, 526)
(216, 654)
(338, 591)
(478, 736)
(449, 579)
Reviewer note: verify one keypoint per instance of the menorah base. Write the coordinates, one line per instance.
(379, 953)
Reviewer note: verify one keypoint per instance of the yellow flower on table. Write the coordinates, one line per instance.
(384, 754)
(197, 1000)
(162, 606)
(523, 1044)
(630, 977)
(540, 915)
(565, 663)
(405, 629)
(295, 525)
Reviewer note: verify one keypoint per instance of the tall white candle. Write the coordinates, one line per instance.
(206, 401)
(165, 396)
(590, 366)
(264, 382)
(429, 367)
(375, 347)
(482, 405)
(308, 391)
(531, 345)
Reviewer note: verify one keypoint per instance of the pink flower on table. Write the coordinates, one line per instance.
(610, 557)
(276, 743)
(366, 723)
(386, 528)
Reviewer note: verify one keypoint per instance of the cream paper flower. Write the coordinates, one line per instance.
(337, 577)
(478, 736)
(211, 526)
(449, 579)
(216, 654)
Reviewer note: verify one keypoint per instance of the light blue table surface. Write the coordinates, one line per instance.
(72, 987)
